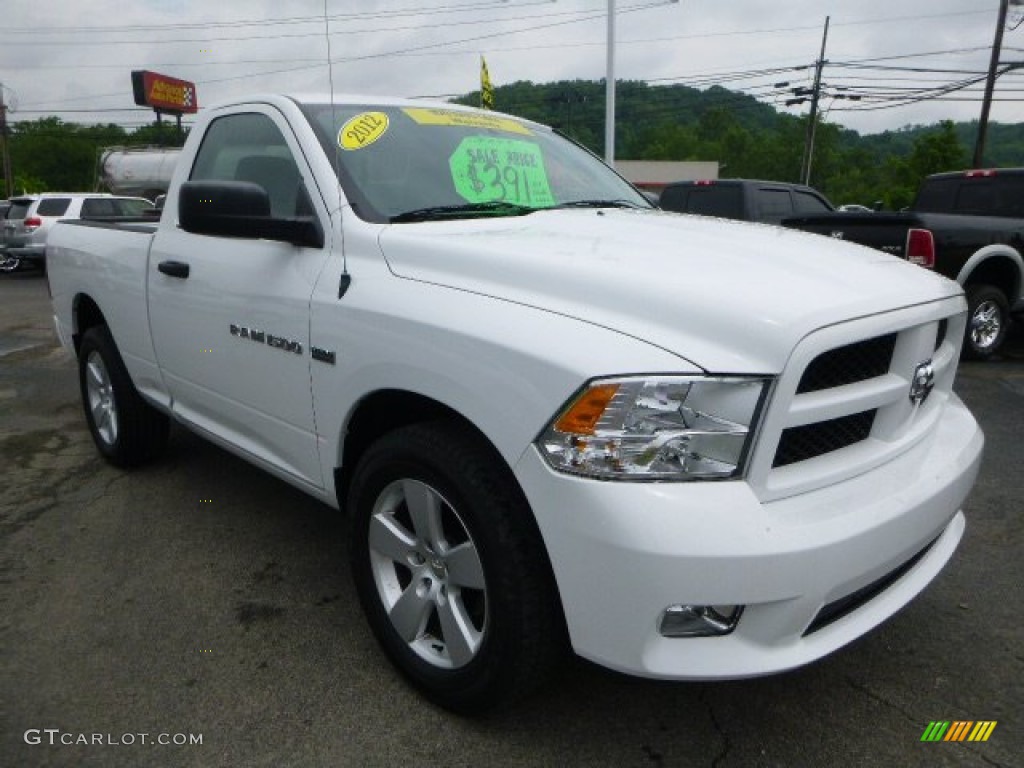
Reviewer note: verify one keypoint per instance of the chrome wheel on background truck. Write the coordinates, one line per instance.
(988, 318)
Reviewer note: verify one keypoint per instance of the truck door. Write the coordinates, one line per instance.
(230, 320)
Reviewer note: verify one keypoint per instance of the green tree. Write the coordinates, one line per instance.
(50, 155)
(164, 134)
(937, 151)
(669, 142)
(932, 151)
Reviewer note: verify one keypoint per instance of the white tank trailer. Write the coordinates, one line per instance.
(138, 171)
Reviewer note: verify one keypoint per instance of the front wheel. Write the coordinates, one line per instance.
(988, 317)
(127, 430)
(450, 568)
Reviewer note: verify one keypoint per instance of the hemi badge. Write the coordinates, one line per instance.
(323, 355)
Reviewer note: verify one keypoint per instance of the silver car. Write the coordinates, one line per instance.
(24, 230)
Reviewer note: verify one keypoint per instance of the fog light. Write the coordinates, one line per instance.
(699, 620)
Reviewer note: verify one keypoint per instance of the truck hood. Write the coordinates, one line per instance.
(727, 296)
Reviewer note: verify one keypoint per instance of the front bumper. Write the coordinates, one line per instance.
(623, 552)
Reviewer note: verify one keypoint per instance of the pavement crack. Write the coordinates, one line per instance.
(862, 688)
(723, 753)
(11, 524)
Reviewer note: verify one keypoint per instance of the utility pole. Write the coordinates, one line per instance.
(609, 90)
(805, 165)
(568, 98)
(5, 147)
(990, 84)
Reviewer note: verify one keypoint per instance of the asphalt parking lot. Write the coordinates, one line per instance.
(201, 597)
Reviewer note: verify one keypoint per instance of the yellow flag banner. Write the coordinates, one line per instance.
(486, 90)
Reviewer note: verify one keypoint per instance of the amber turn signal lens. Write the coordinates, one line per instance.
(584, 414)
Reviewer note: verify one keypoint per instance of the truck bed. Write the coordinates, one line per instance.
(884, 231)
(107, 262)
(144, 224)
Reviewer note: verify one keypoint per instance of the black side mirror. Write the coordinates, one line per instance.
(241, 209)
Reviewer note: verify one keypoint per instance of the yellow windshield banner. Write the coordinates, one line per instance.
(425, 116)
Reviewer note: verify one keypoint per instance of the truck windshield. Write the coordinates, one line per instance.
(407, 164)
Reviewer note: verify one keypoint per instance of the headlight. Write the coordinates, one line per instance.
(657, 428)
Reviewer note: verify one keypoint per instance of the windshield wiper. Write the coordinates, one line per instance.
(438, 212)
(598, 204)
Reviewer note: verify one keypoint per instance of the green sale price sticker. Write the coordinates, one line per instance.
(486, 169)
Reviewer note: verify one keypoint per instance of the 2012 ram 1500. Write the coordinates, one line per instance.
(683, 447)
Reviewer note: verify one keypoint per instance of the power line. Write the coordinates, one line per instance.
(385, 54)
(583, 15)
(429, 11)
(397, 13)
(694, 79)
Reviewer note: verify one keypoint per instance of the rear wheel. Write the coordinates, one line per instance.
(127, 430)
(450, 568)
(9, 264)
(988, 317)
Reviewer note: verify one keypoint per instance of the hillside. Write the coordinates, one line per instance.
(655, 122)
(752, 139)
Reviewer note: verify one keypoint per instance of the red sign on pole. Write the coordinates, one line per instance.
(163, 93)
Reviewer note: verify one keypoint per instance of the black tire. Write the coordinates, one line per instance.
(127, 430)
(479, 509)
(988, 318)
(9, 264)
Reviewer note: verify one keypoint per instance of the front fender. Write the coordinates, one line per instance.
(504, 367)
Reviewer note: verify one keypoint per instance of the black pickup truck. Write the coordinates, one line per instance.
(743, 199)
(966, 225)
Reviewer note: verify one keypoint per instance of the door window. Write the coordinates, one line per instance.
(774, 204)
(97, 206)
(805, 202)
(249, 147)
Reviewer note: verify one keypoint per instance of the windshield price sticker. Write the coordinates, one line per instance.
(453, 117)
(362, 130)
(486, 169)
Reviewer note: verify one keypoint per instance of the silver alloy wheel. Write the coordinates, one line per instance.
(9, 264)
(100, 393)
(428, 574)
(986, 324)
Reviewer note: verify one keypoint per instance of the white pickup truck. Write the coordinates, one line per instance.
(685, 448)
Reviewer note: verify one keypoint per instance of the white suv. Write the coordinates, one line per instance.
(23, 232)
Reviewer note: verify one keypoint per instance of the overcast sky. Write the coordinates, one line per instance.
(73, 58)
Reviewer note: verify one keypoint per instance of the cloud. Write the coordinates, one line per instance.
(79, 55)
